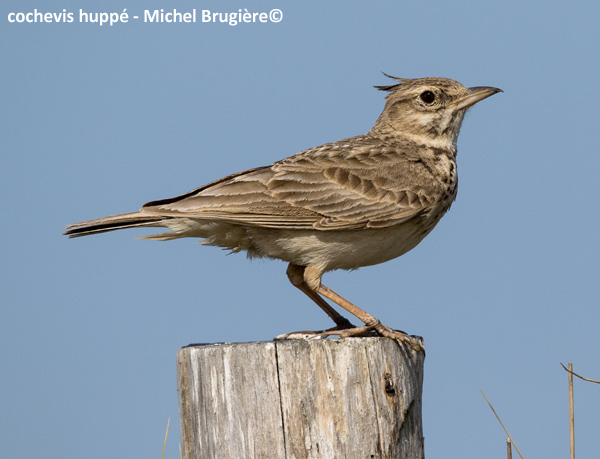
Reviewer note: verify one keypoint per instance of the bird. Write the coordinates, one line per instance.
(343, 205)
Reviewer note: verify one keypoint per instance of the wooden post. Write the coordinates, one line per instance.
(299, 399)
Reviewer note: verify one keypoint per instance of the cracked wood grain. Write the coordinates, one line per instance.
(298, 399)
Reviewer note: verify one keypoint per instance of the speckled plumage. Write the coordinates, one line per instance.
(351, 203)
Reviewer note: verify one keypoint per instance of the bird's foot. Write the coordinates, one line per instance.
(322, 334)
(305, 334)
(377, 329)
(416, 342)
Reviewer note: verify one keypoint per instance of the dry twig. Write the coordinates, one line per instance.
(579, 376)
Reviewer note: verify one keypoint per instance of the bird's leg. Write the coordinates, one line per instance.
(296, 276)
(371, 323)
(312, 278)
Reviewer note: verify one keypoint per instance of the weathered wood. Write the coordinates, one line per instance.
(229, 401)
(298, 399)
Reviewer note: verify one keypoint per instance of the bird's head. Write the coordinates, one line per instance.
(428, 111)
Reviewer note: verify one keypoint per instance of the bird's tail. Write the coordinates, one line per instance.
(114, 222)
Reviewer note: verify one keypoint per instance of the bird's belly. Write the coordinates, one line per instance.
(337, 249)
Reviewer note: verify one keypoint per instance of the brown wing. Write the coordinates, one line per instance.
(349, 184)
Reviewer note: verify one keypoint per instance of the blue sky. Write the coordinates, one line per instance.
(97, 120)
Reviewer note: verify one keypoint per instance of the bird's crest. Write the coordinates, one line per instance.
(391, 87)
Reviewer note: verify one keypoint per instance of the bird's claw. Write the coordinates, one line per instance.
(378, 329)
(416, 342)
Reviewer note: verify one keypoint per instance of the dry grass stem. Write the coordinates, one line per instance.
(571, 411)
(166, 435)
(500, 421)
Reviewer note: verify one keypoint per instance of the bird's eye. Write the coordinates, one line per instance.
(428, 97)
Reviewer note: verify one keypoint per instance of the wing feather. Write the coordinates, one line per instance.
(350, 184)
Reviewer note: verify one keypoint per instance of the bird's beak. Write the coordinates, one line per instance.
(475, 95)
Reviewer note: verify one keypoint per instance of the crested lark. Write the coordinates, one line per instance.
(356, 202)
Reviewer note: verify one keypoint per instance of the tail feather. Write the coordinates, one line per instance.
(114, 222)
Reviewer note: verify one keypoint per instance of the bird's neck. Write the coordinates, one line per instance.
(435, 130)
(439, 142)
